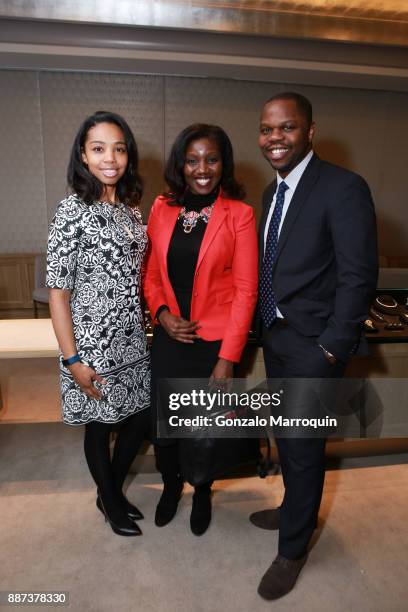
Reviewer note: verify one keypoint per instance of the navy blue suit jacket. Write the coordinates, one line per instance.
(326, 267)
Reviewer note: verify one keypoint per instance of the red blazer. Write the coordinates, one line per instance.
(226, 276)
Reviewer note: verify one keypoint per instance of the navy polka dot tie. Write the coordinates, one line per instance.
(267, 298)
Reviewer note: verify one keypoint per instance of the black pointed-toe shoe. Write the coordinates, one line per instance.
(168, 503)
(131, 511)
(123, 526)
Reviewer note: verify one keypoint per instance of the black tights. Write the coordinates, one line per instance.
(167, 463)
(109, 474)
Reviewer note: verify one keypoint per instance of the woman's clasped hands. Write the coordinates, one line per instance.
(178, 328)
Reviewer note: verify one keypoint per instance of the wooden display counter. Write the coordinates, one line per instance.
(29, 372)
(26, 338)
(29, 369)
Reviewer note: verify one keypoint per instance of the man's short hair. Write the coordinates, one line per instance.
(303, 104)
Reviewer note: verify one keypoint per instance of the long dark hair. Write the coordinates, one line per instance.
(129, 188)
(174, 173)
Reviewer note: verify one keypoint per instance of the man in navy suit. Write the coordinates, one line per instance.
(318, 275)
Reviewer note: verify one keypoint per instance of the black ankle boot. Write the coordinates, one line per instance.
(201, 511)
(167, 506)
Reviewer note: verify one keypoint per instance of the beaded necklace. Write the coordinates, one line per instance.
(191, 217)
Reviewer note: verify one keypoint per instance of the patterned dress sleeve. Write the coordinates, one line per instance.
(63, 244)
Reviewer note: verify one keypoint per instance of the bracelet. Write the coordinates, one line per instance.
(71, 360)
(160, 309)
(389, 298)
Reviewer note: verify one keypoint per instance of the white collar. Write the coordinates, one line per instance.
(294, 176)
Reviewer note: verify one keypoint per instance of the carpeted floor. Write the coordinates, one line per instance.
(53, 538)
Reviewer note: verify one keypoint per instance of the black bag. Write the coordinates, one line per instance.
(203, 456)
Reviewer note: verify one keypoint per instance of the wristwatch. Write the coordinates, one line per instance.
(71, 360)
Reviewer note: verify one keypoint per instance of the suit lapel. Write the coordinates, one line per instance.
(301, 194)
(217, 217)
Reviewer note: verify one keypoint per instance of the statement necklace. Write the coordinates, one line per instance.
(191, 217)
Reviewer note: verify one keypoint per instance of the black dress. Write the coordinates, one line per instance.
(171, 358)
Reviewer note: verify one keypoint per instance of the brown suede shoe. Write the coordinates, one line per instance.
(280, 577)
(266, 519)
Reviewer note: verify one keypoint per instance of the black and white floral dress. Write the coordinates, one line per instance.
(96, 252)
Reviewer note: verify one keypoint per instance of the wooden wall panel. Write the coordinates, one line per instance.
(16, 281)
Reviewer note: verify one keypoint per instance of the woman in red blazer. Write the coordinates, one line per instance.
(200, 284)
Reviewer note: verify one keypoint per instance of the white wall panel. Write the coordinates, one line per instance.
(23, 217)
(392, 198)
(362, 130)
(68, 98)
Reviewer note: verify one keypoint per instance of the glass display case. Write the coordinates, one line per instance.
(388, 316)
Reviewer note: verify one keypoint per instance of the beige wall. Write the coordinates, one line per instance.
(41, 111)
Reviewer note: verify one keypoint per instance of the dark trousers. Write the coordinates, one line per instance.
(288, 354)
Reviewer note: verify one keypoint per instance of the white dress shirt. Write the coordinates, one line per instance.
(291, 180)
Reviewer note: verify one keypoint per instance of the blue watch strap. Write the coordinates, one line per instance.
(71, 360)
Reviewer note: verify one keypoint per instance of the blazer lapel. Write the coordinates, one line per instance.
(217, 217)
(302, 191)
